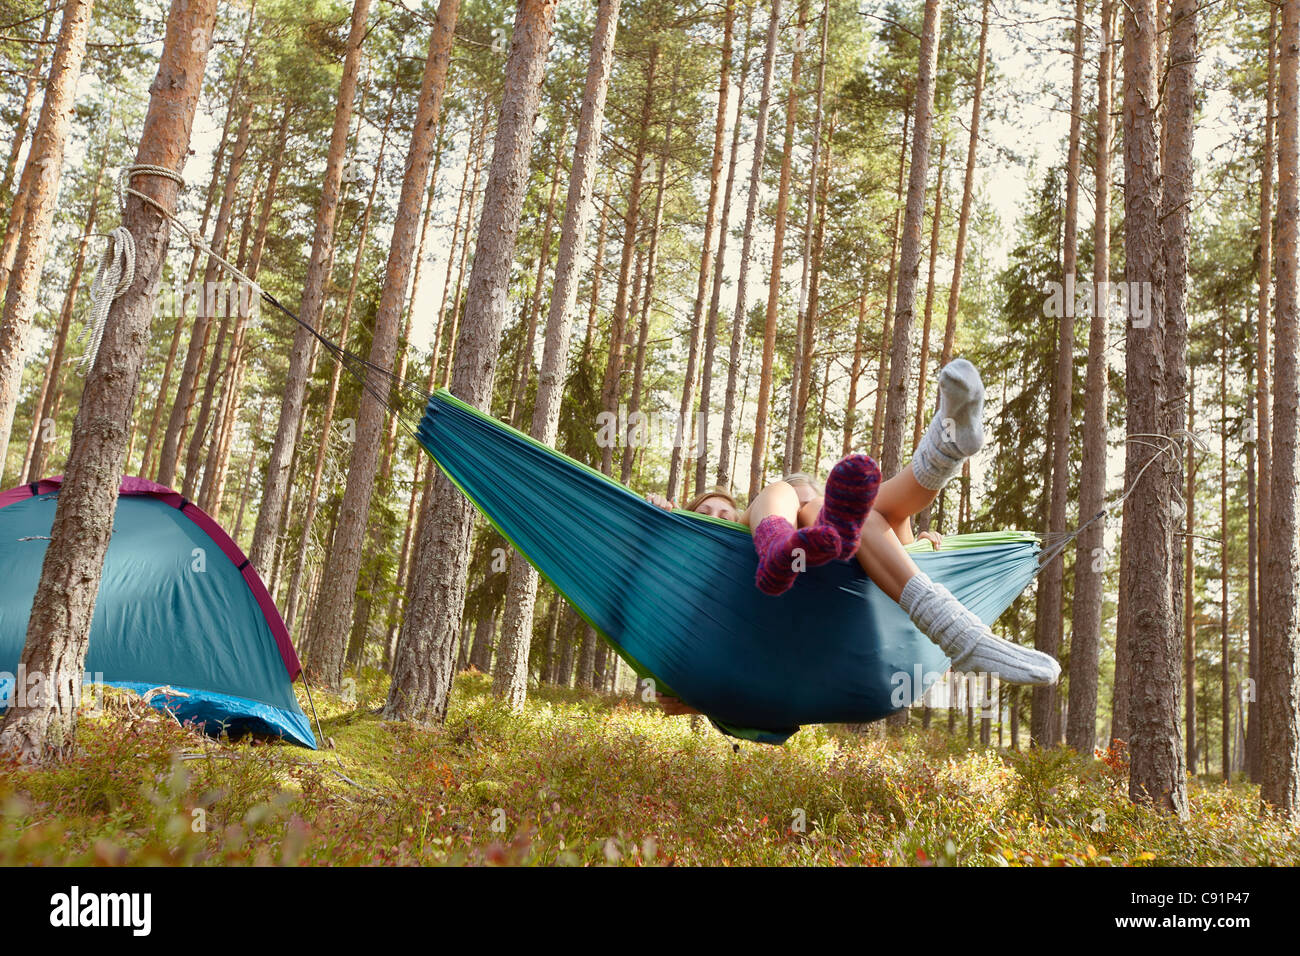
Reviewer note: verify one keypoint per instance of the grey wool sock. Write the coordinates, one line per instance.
(957, 430)
(967, 640)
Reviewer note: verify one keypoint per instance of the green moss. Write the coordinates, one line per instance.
(580, 779)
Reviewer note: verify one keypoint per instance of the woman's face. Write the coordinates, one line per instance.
(717, 507)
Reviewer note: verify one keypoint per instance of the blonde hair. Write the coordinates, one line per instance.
(716, 492)
(799, 478)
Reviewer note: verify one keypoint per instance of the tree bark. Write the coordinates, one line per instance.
(923, 357)
(1051, 580)
(715, 300)
(510, 680)
(610, 387)
(968, 185)
(647, 298)
(855, 375)
(1089, 562)
(336, 374)
(804, 336)
(214, 292)
(1263, 363)
(24, 117)
(809, 303)
(1280, 623)
(900, 359)
(276, 480)
(41, 175)
(887, 326)
(529, 346)
(730, 413)
(51, 396)
(343, 565)
(1189, 587)
(711, 225)
(214, 477)
(426, 644)
(1224, 651)
(464, 254)
(1157, 770)
(758, 455)
(59, 631)
(209, 297)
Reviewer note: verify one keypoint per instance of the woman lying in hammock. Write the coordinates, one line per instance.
(795, 526)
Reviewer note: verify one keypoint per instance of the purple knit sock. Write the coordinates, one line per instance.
(778, 544)
(850, 490)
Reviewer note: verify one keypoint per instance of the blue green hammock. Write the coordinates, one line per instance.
(673, 593)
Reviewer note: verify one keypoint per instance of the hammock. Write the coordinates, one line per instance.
(672, 592)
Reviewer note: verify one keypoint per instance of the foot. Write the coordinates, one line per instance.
(850, 490)
(957, 430)
(986, 653)
(961, 408)
(967, 640)
(784, 551)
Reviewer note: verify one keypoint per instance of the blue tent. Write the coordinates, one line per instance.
(179, 606)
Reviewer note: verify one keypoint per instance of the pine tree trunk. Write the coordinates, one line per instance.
(1089, 561)
(24, 118)
(59, 631)
(1280, 626)
(730, 413)
(923, 357)
(1051, 580)
(41, 175)
(968, 185)
(422, 665)
(51, 396)
(343, 565)
(1263, 362)
(1157, 768)
(529, 346)
(510, 680)
(610, 388)
(680, 433)
(1225, 657)
(900, 359)
(459, 234)
(208, 299)
(758, 456)
(887, 327)
(855, 375)
(597, 270)
(147, 465)
(647, 297)
(275, 483)
(336, 373)
(1189, 587)
(804, 335)
(214, 476)
(454, 331)
(715, 300)
(1250, 728)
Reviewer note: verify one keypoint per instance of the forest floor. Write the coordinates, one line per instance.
(582, 779)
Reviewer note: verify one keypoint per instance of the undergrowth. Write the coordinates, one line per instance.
(580, 779)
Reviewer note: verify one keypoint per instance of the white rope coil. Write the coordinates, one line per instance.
(113, 277)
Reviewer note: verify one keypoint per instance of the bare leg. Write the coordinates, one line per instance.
(888, 528)
(778, 498)
(899, 499)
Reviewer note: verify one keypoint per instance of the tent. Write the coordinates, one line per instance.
(179, 606)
